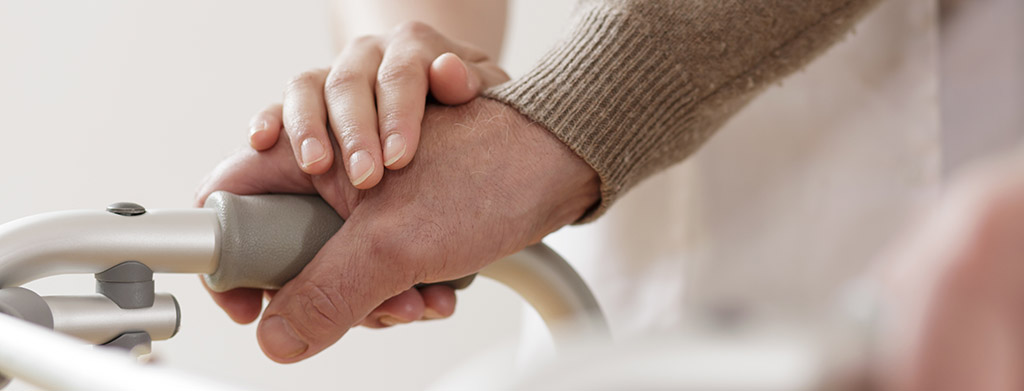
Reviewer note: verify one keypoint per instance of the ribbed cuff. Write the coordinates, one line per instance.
(639, 85)
(601, 91)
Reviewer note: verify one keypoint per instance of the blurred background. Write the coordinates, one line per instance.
(105, 101)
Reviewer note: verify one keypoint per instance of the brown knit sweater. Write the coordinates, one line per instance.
(638, 85)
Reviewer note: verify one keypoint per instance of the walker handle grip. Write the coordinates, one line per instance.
(266, 240)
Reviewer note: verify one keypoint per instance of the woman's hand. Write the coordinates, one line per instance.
(372, 99)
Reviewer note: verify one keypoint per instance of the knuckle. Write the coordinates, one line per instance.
(386, 248)
(363, 40)
(398, 257)
(305, 79)
(343, 80)
(324, 307)
(414, 29)
(412, 264)
(352, 143)
(348, 132)
(401, 71)
(394, 122)
(301, 128)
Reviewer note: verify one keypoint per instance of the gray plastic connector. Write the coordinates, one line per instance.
(129, 285)
(138, 342)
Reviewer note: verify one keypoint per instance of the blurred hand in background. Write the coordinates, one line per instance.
(953, 294)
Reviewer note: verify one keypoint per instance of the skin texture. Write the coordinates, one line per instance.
(309, 101)
(486, 184)
(954, 309)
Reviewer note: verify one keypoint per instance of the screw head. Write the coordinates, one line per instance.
(126, 209)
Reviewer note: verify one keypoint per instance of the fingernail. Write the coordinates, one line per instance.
(258, 126)
(430, 313)
(360, 167)
(279, 339)
(388, 320)
(312, 152)
(471, 82)
(394, 149)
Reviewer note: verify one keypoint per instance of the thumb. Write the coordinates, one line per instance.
(350, 276)
(454, 81)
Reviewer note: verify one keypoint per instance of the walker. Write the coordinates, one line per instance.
(234, 241)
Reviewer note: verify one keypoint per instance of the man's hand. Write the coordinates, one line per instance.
(486, 183)
(376, 88)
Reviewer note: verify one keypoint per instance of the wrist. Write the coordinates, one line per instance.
(567, 186)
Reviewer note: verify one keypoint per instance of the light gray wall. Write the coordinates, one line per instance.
(112, 100)
(982, 78)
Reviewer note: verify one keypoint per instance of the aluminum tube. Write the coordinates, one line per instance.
(97, 320)
(549, 284)
(57, 362)
(171, 241)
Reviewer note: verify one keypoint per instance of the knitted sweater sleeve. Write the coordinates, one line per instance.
(637, 85)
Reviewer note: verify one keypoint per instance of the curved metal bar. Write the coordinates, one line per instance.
(97, 320)
(549, 284)
(87, 241)
(189, 241)
(57, 362)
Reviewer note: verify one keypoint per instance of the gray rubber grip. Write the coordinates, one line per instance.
(266, 240)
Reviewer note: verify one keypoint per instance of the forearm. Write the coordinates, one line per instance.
(638, 85)
(480, 23)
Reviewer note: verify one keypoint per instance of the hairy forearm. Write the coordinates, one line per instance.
(480, 23)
